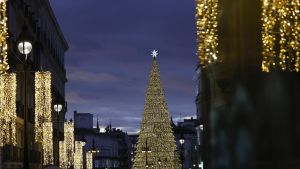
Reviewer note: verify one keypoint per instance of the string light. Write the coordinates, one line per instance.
(156, 140)
(8, 115)
(207, 24)
(89, 160)
(63, 160)
(67, 146)
(3, 37)
(47, 143)
(280, 25)
(43, 115)
(78, 155)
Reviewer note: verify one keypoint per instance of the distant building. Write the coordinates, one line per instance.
(49, 47)
(187, 129)
(113, 145)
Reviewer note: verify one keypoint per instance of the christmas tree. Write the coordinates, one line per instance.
(156, 147)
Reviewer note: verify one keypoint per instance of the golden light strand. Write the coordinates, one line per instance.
(3, 37)
(47, 143)
(63, 160)
(78, 155)
(8, 115)
(207, 33)
(280, 19)
(43, 115)
(89, 160)
(156, 133)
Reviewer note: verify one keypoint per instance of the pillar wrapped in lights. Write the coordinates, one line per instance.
(67, 146)
(78, 155)
(43, 115)
(207, 25)
(3, 37)
(8, 115)
(280, 28)
(89, 160)
(62, 155)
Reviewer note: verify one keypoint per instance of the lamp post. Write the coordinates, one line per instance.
(58, 108)
(146, 150)
(25, 47)
(181, 141)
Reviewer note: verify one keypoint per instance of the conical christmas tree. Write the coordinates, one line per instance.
(156, 147)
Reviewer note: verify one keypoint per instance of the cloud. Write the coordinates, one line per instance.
(91, 77)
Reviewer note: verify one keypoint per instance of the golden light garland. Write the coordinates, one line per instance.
(8, 115)
(3, 37)
(207, 33)
(280, 28)
(89, 160)
(43, 115)
(67, 146)
(156, 141)
(78, 155)
(63, 160)
(47, 143)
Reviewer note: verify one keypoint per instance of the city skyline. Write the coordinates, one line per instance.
(109, 59)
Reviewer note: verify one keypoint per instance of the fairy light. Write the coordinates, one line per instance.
(47, 143)
(89, 160)
(43, 115)
(207, 24)
(280, 28)
(78, 155)
(8, 115)
(3, 37)
(63, 160)
(156, 140)
(69, 141)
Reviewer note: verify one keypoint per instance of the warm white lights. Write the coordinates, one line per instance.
(78, 155)
(3, 37)
(156, 140)
(207, 31)
(43, 115)
(8, 113)
(66, 158)
(89, 160)
(281, 28)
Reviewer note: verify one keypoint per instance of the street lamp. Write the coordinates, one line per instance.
(159, 163)
(83, 140)
(146, 150)
(24, 42)
(25, 47)
(181, 141)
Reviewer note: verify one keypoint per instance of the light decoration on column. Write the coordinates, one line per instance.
(8, 115)
(207, 31)
(43, 115)
(3, 37)
(78, 155)
(63, 160)
(69, 142)
(89, 160)
(280, 28)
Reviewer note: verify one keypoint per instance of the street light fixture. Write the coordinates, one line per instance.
(181, 141)
(25, 47)
(58, 108)
(24, 42)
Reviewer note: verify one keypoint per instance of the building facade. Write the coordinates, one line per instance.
(49, 47)
(186, 130)
(250, 118)
(112, 147)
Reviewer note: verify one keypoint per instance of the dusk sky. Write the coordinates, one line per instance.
(109, 62)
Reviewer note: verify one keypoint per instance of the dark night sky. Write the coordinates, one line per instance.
(108, 63)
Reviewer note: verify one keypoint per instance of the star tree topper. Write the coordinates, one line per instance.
(154, 54)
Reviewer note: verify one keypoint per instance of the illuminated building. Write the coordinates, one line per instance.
(48, 52)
